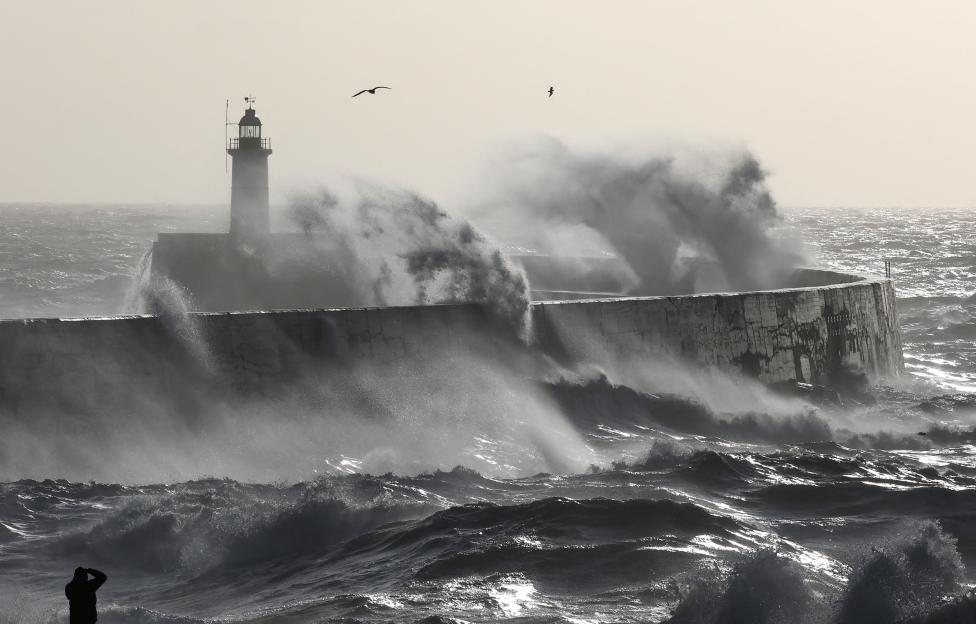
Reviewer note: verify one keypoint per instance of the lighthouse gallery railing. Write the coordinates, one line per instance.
(235, 143)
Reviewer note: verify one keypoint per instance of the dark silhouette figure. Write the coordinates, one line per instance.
(371, 91)
(81, 595)
(551, 90)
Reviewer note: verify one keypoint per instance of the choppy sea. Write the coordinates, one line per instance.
(701, 501)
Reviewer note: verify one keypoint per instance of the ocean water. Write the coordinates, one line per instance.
(684, 497)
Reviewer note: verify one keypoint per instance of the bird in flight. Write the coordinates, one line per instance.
(371, 91)
(551, 91)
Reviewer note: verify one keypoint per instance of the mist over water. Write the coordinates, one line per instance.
(479, 409)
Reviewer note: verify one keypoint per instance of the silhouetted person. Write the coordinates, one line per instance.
(81, 595)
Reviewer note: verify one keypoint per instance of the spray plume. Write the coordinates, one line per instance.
(682, 222)
(393, 247)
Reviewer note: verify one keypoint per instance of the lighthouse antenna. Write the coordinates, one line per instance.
(226, 123)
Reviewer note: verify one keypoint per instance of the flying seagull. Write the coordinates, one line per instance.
(551, 91)
(371, 91)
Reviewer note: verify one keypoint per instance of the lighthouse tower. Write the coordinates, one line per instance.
(250, 223)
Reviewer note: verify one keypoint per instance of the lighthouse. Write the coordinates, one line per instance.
(250, 267)
(250, 224)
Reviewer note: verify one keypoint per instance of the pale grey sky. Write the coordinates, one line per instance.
(850, 102)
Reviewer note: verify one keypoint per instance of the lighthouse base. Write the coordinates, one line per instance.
(215, 274)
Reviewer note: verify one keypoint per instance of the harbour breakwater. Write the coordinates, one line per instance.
(823, 325)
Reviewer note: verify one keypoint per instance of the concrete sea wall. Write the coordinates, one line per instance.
(829, 325)
(91, 364)
(807, 334)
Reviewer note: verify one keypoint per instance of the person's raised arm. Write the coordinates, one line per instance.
(99, 578)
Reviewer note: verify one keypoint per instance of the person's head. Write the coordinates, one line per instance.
(80, 574)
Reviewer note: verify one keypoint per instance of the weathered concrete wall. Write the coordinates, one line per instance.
(807, 334)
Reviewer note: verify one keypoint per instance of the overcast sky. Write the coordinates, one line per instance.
(849, 103)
